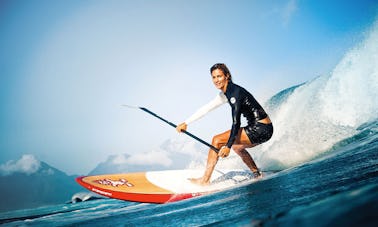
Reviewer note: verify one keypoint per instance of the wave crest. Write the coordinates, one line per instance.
(309, 119)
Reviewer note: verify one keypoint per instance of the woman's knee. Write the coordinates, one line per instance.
(218, 141)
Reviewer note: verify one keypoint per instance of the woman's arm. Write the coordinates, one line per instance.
(236, 115)
(213, 104)
(216, 102)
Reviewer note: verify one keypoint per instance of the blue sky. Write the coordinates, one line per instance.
(67, 66)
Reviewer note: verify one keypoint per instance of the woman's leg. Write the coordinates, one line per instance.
(212, 158)
(247, 158)
(240, 149)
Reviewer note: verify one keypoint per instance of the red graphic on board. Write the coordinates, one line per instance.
(114, 183)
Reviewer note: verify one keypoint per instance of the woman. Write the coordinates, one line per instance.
(259, 128)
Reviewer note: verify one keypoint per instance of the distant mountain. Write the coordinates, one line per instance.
(172, 154)
(29, 183)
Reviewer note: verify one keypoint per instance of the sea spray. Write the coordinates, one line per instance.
(323, 111)
(350, 96)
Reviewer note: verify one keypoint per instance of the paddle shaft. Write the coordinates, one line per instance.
(184, 131)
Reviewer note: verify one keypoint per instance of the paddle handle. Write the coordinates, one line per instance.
(173, 125)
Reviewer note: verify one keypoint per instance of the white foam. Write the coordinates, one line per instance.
(324, 111)
(177, 180)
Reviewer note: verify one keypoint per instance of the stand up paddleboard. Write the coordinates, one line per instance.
(161, 186)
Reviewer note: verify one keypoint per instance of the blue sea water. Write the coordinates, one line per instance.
(337, 189)
(325, 144)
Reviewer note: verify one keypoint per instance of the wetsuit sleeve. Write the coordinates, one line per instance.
(216, 102)
(236, 115)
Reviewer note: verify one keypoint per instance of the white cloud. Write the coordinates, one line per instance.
(283, 12)
(49, 172)
(287, 12)
(184, 145)
(27, 164)
(150, 158)
(163, 154)
(119, 159)
(146, 158)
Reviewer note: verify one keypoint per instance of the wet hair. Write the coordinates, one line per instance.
(223, 68)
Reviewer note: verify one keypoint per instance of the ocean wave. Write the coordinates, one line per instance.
(309, 119)
(85, 196)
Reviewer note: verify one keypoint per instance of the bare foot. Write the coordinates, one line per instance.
(198, 181)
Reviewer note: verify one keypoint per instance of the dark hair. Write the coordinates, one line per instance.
(223, 68)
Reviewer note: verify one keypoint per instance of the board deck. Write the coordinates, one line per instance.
(161, 186)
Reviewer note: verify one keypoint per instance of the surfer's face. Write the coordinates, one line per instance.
(219, 79)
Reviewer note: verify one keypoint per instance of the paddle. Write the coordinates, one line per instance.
(173, 125)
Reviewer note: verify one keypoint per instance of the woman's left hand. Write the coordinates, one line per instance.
(181, 127)
(224, 152)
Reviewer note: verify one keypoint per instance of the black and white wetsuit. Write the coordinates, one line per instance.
(241, 102)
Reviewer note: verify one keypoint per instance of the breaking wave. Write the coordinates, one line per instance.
(310, 118)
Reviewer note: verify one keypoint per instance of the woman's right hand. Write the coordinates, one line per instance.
(181, 127)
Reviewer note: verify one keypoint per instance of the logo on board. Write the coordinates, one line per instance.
(114, 183)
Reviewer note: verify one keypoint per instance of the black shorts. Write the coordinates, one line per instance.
(259, 132)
